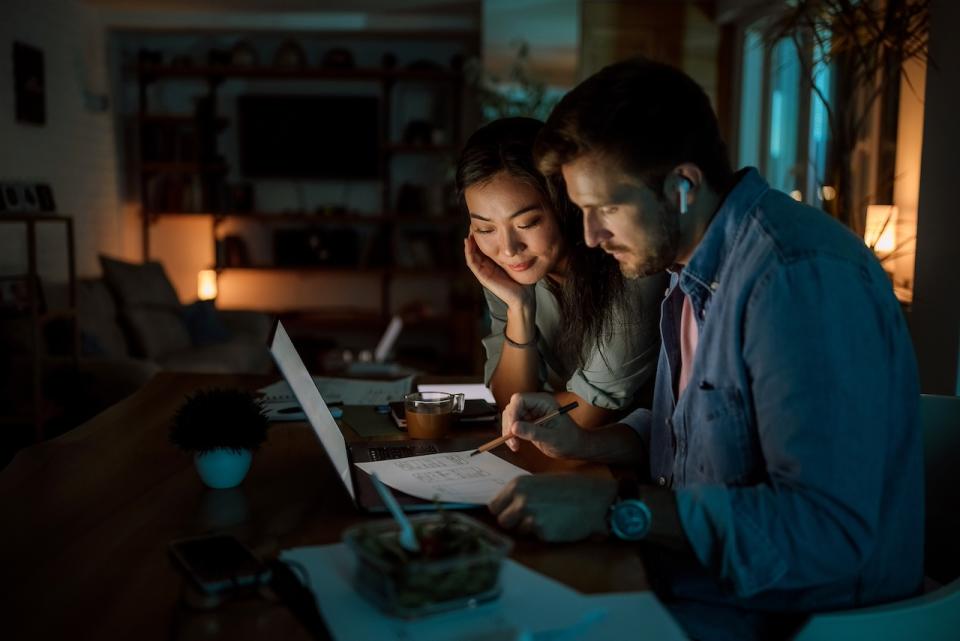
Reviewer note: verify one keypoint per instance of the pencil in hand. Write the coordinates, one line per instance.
(486, 447)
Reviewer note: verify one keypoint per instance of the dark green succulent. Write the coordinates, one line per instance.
(219, 419)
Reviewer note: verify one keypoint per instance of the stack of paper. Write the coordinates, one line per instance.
(348, 391)
(280, 404)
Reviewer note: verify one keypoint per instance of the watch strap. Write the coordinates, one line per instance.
(627, 488)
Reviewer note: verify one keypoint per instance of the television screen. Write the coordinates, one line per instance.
(309, 136)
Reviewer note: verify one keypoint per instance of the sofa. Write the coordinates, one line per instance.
(133, 312)
(132, 325)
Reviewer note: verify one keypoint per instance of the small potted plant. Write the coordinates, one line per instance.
(221, 428)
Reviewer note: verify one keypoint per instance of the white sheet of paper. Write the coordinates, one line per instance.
(455, 477)
(530, 603)
(472, 390)
(348, 391)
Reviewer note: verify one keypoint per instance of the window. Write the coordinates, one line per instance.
(782, 164)
(783, 129)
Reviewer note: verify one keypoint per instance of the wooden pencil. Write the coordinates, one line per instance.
(486, 447)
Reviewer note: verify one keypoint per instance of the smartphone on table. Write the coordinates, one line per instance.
(219, 563)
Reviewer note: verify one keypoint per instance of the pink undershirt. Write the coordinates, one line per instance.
(688, 344)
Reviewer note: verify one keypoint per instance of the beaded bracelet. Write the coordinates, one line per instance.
(530, 343)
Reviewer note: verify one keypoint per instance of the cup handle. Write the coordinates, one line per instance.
(458, 401)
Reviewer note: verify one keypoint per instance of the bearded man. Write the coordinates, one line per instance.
(780, 466)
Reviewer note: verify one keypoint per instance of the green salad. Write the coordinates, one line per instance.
(458, 561)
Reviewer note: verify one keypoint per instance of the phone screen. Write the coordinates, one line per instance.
(218, 562)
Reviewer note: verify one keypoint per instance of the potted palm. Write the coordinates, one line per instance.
(221, 428)
(868, 45)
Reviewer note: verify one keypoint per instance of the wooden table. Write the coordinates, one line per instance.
(87, 518)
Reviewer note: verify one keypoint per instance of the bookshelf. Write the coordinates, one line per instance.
(190, 178)
(39, 409)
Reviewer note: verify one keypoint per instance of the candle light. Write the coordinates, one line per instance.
(207, 284)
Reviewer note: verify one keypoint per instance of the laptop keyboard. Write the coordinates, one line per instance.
(400, 451)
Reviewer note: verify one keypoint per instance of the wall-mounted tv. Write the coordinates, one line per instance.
(309, 136)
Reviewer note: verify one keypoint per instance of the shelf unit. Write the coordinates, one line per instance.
(41, 410)
(214, 76)
(220, 72)
(386, 230)
(334, 219)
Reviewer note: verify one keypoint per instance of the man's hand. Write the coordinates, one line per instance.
(556, 507)
(559, 437)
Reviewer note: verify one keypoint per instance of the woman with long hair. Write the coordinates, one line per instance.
(563, 317)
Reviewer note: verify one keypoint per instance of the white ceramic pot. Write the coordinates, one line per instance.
(223, 468)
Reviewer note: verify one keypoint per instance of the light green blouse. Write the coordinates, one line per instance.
(613, 374)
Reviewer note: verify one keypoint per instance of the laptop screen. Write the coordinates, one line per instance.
(307, 394)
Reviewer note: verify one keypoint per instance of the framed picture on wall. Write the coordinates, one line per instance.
(29, 88)
(45, 201)
(20, 197)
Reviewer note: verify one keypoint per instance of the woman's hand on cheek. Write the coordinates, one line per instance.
(491, 275)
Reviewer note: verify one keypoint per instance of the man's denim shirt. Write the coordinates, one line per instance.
(795, 451)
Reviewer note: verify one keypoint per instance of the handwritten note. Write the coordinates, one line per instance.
(455, 477)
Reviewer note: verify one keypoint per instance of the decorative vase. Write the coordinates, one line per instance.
(223, 468)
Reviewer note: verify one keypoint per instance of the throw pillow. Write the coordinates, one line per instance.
(137, 284)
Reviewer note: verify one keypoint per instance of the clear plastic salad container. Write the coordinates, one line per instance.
(458, 564)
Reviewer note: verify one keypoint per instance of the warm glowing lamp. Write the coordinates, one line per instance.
(880, 231)
(207, 284)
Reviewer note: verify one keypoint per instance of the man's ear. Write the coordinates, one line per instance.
(682, 185)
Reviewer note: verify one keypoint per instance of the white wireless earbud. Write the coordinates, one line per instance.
(684, 188)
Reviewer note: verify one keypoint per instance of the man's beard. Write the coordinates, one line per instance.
(660, 248)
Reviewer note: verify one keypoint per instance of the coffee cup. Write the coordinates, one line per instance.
(430, 414)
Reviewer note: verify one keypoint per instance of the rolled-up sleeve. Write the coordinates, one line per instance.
(818, 336)
(625, 361)
(612, 376)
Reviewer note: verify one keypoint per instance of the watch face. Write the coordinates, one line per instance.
(630, 520)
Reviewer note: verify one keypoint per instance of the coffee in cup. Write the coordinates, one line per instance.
(430, 414)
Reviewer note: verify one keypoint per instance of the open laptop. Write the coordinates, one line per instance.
(343, 455)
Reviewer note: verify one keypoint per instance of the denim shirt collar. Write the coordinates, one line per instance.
(701, 276)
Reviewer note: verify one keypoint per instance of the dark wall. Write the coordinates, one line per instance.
(935, 315)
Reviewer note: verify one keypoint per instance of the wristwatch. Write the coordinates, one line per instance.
(629, 518)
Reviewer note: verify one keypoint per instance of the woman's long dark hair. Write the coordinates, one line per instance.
(593, 297)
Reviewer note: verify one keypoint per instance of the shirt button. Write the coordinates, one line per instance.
(662, 481)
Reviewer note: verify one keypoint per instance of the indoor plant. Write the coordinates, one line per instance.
(517, 94)
(221, 428)
(867, 45)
